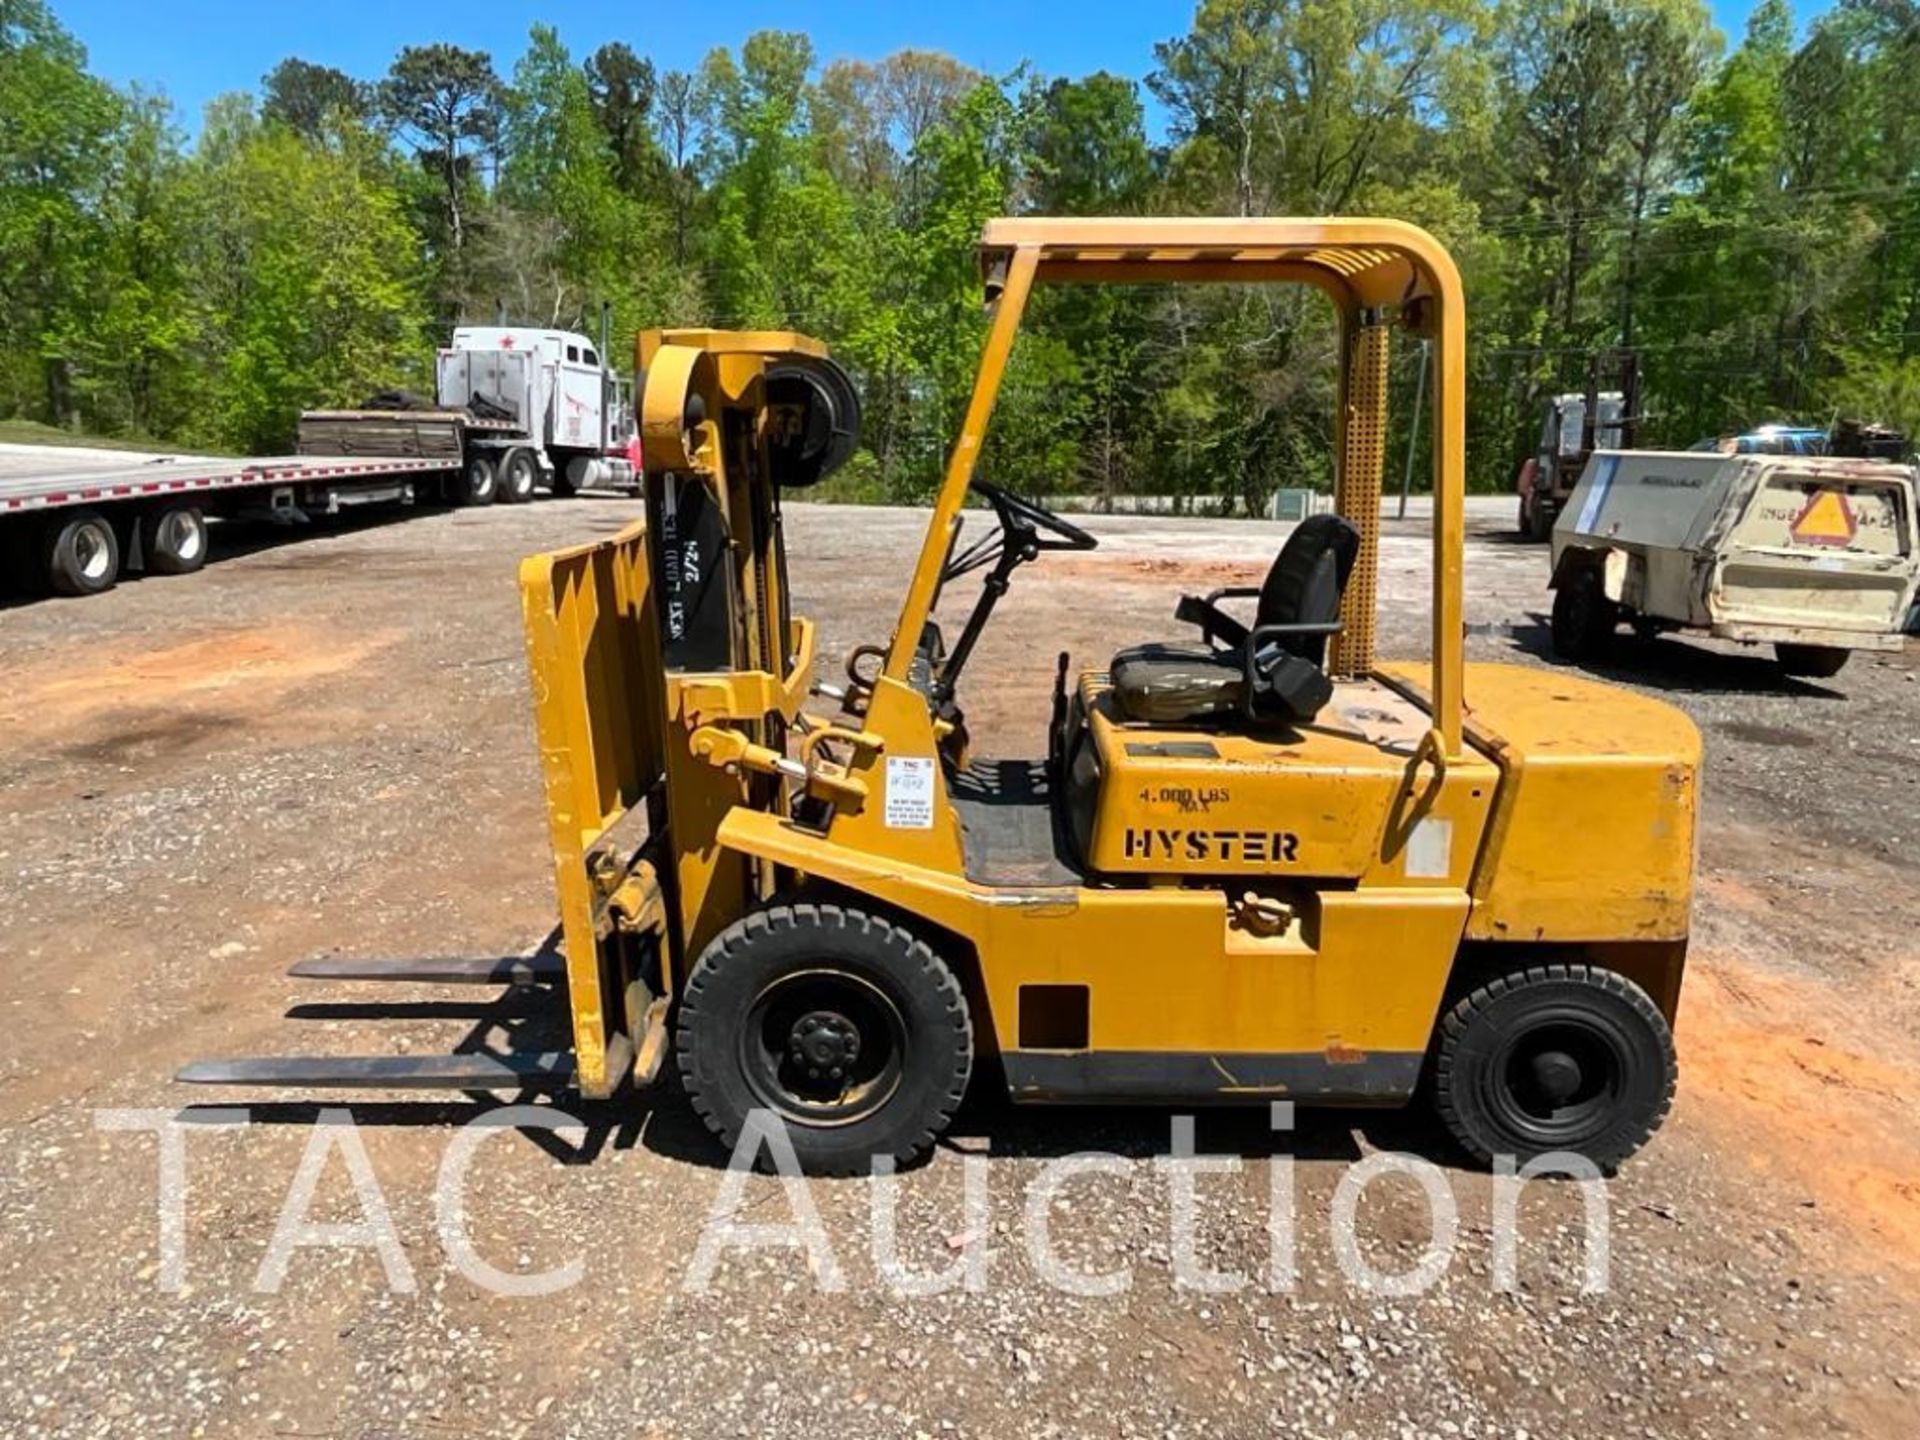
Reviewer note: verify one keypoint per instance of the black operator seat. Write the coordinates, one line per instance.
(1271, 671)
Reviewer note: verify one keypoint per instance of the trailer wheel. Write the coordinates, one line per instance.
(479, 482)
(519, 476)
(174, 541)
(1555, 1057)
(1815, 662)
(1583, 617)
(81, 554)
(848, 1029)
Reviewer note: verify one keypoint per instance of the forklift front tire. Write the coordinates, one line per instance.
(1555, 1058)
(848, 1029)
(1584, 618)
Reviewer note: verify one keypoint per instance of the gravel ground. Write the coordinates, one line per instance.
(325, 748)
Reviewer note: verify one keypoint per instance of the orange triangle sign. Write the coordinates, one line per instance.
(1827, 520)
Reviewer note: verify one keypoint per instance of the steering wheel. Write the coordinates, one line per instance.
(1010, 507)
(1025, 530)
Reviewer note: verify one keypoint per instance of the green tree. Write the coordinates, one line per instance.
(1087, 154)
(309, 99)
(136, 347)
(621, 87)
(57, 126)
(447, 102)
(677, 124)
(301, 310)
(574, 238)
(1665, 49)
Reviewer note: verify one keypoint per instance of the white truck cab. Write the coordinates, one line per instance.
(556, 388)
(1816, 556)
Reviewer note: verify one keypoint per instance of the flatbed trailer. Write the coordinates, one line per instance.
(413, 434)
(74, 521)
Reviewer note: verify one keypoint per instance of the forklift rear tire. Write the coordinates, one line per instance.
(1538, 521)
(519, 476)
(1555, 1058)
(850, 1030)
(1584, 618)
(81, 553)
(1815, 662)
(173, 541)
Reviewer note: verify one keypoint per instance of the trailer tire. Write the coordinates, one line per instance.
(519, 476)
(173, 541)
(1583, 617)
(81, 553)
(479, 483)
(793, 985)
(1813, 662)
(1554, 1058)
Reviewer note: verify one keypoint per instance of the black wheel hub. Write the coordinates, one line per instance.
(1559, 1080)
(1556, 1076)
(823, 1046)
(824, 1043)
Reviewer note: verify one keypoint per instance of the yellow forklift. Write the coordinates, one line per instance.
(1256, 863)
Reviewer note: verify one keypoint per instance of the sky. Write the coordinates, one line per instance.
(194, 50)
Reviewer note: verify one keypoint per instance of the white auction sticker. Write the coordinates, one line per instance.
(1430, 850)
(909, 793)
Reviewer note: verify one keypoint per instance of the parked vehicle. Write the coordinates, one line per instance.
(515, 409)
(74, 522)
(1574, 426)
(1817, 556)
(1767, 440)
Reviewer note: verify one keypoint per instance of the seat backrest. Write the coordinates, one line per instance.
(1306, 581)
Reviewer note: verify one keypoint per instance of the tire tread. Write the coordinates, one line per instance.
(926, 968)
(1459, 1018)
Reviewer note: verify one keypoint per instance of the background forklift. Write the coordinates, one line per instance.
(1575, 425)
(1256, 863)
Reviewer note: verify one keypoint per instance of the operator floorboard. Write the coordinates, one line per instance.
(1006, 815)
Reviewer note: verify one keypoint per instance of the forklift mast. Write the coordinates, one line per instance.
(668, 670)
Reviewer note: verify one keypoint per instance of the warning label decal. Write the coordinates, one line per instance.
(909, 793)
(1827, 520)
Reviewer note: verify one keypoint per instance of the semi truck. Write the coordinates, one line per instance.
(515, 409)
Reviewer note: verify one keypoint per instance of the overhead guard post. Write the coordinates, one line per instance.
(966, 454)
